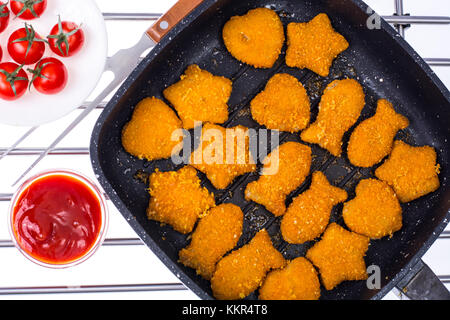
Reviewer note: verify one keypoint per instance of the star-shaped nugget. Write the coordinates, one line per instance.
(200, 96)
(314, 45)
(339, 256)
(411, 171)
(177, 198)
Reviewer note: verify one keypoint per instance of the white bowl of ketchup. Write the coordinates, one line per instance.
(58, 218)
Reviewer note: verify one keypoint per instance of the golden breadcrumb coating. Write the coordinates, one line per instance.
(200, 96)
(283, 105)
(372, 140)
(411, 171)
(222, 162)
(273, 186)
(243, 270)
(176, 198)
(309, 214)
(255, 38)
(297, 281)
(314, 45)
(339, 256)
(148, 134)
(339, 109)
(216, 234)
(375, 211)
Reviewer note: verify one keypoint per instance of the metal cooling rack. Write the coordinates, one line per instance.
(399, 19)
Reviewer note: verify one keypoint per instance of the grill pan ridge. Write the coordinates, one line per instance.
(380, 60)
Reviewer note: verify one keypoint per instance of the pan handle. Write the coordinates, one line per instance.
(171, 18)
(422, 284)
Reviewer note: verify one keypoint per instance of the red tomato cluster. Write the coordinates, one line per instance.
(27, 47)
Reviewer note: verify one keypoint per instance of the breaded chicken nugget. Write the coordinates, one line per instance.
(339, 109)
(283, 105)
(200, 96)
(339, 256)
(309, 214)
(375, 211)
(216, 234)
(148, 134)
(372, 140)
(411, 171)
(255, 38)
(297, 281)
(176, 198)
(314, 45)
(225, 159)
(285, 169)
(243, 270)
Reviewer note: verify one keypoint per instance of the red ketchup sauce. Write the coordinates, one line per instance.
(57, 219)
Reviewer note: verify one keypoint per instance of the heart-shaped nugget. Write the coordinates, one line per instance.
(255, 38)
(375, 212)
(154, 131)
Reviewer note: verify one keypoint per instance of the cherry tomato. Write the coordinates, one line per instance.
(25, 46)
(4, 16)
(1, 53)
(28, 9)
(66, 38)
(13, 81)
(49, 76)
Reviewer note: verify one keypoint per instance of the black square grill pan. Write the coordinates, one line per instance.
(379, 59)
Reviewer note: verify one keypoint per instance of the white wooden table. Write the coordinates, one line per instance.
(123, 268)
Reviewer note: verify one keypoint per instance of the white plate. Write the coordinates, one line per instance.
(85, 68)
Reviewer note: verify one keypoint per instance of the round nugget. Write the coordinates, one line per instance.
(177, 199)
(283, 105)
(255, 38)
(297, 281)
(375, 211)
(411, 171)
(149, 133)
